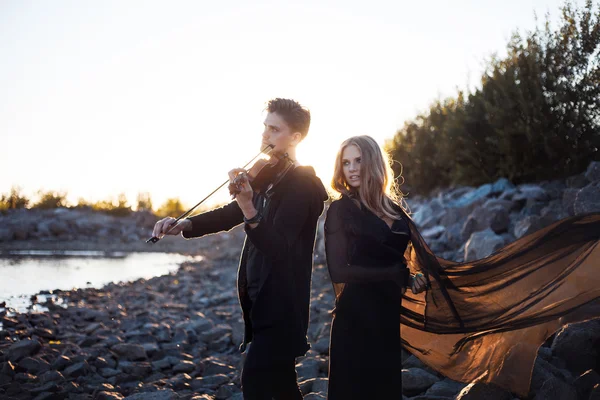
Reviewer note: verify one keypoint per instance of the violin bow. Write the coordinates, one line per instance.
(155, 239)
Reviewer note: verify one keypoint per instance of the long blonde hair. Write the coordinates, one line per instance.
(378, 191)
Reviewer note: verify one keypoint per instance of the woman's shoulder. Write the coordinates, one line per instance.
(341, 212)
(344, 203)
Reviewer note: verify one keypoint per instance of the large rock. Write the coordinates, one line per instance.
(585, 383)
(433, 232)
(6, 234)
(568, 200)
(577, 181)
(501, 186)
(479, 391)
(22, 349)
(495, 218)
(592, 173)
(554, 388)
(579, 345)
(472, 197)
(130, 351)
(209, 382)
(58, 227)
(482, 244)
(528, 225)
(554, 211)
(416, 380)
(445, 388)
(588, 199)
(166, 394)
(428, 215)
(34, 365)
(529, 192)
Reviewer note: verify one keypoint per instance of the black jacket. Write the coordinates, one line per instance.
(284, 240)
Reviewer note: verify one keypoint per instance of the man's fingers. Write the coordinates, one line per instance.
(235, 172)
(157, 228)
(162, 226)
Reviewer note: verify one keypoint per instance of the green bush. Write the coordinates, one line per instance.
(14, 199)
(536, 115)
(50, 199)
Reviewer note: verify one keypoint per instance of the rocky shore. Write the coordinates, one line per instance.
(176, 336)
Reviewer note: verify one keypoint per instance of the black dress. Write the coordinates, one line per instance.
(364, 256)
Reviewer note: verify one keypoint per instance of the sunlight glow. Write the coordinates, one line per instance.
(102, 98)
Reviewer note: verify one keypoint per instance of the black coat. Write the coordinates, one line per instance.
(284, 242)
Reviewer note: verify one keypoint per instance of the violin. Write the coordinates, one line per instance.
(263, 176)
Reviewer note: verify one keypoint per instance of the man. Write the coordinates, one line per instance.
(276, 263)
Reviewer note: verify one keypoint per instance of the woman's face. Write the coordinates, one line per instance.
(351, 165)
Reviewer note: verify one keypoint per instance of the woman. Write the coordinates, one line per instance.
(366, 234)
(483, 319)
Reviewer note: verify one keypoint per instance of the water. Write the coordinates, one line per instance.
(25, 273)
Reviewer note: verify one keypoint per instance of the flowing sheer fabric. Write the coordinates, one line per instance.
(487, 318)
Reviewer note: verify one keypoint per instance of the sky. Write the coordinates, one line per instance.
(99, 98)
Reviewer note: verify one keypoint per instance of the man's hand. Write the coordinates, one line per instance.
(418, 283)
(162, 226)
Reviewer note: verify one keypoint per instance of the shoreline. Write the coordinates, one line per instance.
(171, 336)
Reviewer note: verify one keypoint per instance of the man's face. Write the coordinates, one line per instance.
(278, 133)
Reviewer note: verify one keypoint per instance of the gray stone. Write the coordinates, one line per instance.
(527, 225)
(34, 366)
(482, 244)
(218, 332)
(184, 366)
(453, 235)
(166, 394)
(577, 181)
(57, 227)
(528, 192)
(308, 368)
(417, 380)
(108, 372)
(209, 382)
(212, 366)
(592, 173)
(554, 388)
(478, 391)
(568, 200)
(22, 349)
(472, 197)
(226, 392)
(77, 369)
(321, 346)
(6, 234)
(433, 232)
(585, 383)
(554, 211)
(578, 345)
(109, 396)
(130, 351)
(588, 199)
(51, 376)
(595, 394)
(446, 388)
(501, 185)
(495, 218)
(315, 396)
(317, 385)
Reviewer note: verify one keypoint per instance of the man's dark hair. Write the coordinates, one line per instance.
(296, 116)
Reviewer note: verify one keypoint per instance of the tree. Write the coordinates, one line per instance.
(171, 208)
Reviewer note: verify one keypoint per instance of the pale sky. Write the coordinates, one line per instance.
(105, 97)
